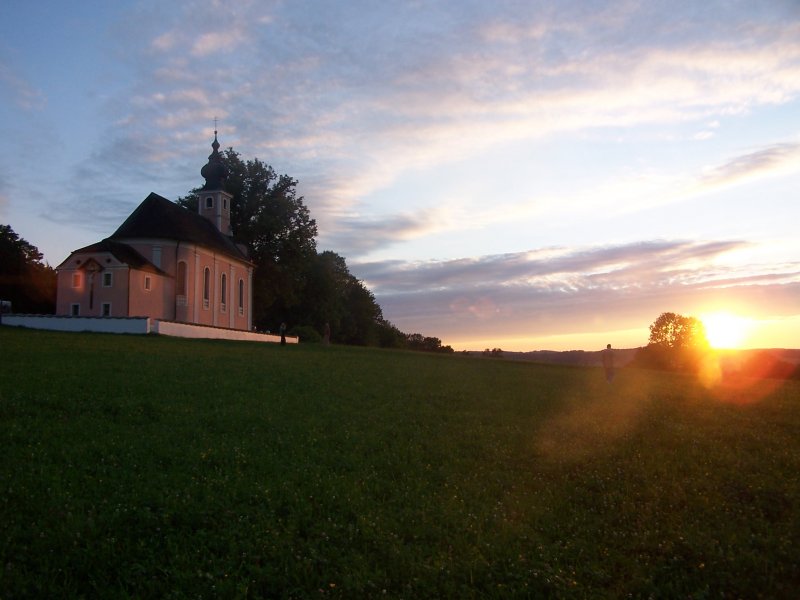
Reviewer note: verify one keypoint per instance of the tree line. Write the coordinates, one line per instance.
(293, 283)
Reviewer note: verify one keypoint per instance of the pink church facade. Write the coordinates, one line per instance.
(167, 263)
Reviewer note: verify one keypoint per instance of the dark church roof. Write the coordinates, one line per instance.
(158, 218)
(123, 253)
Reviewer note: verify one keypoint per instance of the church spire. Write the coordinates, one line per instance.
(214, 202)
(214, 172)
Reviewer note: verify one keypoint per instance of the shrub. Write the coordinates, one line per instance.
(306, 333)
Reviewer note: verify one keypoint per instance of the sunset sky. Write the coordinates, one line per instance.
(523, 175)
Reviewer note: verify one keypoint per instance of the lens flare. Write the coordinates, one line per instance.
(725, 330)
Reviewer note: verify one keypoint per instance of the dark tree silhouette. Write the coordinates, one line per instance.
(273, 222)
(25, 281)
(292, 283)
(671, 330)
(676, 343)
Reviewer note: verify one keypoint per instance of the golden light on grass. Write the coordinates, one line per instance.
(726, 330)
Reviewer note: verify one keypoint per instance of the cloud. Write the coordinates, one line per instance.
(759, 163)
(361, 236)
(636, 265)
(22, 93)
(424, 86)
(617, 194)
(561, 291)
(165, 42)
(217, 41)
(357, 96)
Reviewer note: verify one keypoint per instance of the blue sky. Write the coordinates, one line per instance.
(523, 175)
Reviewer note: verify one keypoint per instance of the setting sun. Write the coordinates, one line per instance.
(724, 330)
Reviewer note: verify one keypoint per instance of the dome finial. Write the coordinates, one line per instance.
(214, 171)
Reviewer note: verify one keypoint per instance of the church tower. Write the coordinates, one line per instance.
(214, 202)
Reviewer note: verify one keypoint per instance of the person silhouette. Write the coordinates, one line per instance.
(608, 362)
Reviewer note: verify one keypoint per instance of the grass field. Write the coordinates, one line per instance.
(159, 467)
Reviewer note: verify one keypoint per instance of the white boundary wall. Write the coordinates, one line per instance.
(137, 325)
(218, 333)
(97, 324)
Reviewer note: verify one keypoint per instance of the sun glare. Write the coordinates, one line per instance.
(724, 330)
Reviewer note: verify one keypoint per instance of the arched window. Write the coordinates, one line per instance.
(180, 284)
(206, 286)
(241, 296)
(224, 292)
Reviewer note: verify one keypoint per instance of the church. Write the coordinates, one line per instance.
(167, 263)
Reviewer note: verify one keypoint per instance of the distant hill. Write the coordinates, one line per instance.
(624, 356)
(776, 363)
(785, 354)
(581, 358)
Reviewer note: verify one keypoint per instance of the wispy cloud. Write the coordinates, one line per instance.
(22, 93)
(759, 163)
(616, 194)
(636, 265)
(364, 235)
(429, 85)
(561, 290)
(217, 41)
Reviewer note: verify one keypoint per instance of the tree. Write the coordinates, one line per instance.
(292, 283)
(362, 315)
(676, 342)
(671, 330)
(390, 336)
(25, 281)
(417, 341)
(333, 295)
(273, 222)
(325, 291)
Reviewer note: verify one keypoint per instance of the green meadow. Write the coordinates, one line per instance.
(152, 467)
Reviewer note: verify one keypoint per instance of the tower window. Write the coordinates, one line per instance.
(209, 202)
(241, 296)
(108, 279)
(147, 283)
(76, 280)
(224, 290)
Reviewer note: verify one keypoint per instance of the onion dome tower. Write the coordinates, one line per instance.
(214, 202)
